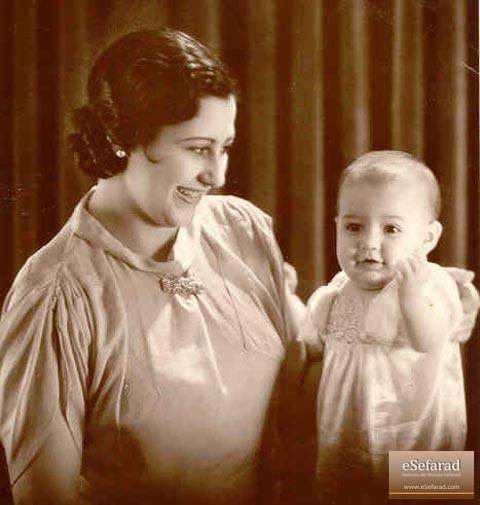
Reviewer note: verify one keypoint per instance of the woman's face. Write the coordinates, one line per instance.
(166, 179)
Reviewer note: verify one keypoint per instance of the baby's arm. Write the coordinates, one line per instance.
(429, 312)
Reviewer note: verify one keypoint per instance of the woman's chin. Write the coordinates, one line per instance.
(179, 218)
(175, 217)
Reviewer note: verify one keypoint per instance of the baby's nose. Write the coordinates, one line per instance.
(371, 241)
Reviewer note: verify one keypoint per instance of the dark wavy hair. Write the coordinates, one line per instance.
(143, 81)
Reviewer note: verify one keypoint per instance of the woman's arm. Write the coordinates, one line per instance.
(53, 476)
(43, 386)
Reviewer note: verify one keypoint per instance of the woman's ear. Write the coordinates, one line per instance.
(434, 232)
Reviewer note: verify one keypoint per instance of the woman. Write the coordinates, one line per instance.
(141, 345)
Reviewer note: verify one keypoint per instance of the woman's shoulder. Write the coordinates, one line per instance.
(52, 270)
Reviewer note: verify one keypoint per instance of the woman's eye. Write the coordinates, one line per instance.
(226, 149)
(391, 229)
(201, 150)
(353, 227)
(209, 150)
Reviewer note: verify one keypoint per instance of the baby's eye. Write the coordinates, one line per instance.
(391, 229)
(353, 227)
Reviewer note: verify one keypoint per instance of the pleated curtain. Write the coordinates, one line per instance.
(322, 82)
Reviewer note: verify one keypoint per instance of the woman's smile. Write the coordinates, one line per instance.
(190, 195)
(166, 179)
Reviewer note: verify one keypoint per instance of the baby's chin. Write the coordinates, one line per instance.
(370, 286)
(371, 281)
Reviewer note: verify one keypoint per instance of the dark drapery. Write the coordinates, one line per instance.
(322, 82)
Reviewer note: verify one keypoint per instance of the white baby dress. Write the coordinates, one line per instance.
(376, 393)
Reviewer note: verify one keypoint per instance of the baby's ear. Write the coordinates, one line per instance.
(434, 232)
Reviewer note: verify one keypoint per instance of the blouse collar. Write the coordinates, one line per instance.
(90, 229)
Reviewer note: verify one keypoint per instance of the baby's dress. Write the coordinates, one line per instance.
(377, 393)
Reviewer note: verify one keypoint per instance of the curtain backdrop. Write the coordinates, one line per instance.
(322, 82)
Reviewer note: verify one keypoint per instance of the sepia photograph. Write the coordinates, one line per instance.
(241, 260)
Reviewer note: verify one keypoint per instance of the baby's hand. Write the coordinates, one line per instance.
(411, 274)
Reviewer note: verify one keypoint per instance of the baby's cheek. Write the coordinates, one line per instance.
(343, 259)
(344, 250)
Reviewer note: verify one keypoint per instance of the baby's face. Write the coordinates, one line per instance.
(379, 224)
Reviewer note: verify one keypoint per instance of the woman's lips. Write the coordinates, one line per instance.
(189, 195)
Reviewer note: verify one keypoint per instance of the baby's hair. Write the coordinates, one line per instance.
(389, 166)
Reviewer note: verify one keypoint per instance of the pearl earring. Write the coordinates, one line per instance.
(120, 153)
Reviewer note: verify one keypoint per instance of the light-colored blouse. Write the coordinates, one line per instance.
(166, 396)
(376, 393)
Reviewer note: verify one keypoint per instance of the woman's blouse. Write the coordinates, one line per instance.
(376, 392)
(166, 396)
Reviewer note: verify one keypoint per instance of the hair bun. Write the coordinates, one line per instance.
(92, 144)
(140, 83)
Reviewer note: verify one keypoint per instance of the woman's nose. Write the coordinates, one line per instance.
(214, 171)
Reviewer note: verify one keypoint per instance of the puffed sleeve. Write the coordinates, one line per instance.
(315, 320)
(43, 369)
(470, 301)
(252, 231)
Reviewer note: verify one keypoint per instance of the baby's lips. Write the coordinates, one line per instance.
(377, 260)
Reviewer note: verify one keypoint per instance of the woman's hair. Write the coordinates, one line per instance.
(142, 82)
(390, 166)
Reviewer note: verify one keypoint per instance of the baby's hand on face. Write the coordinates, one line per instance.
(411, 274)
(422, 313)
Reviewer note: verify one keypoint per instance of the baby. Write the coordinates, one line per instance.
(392, 372)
